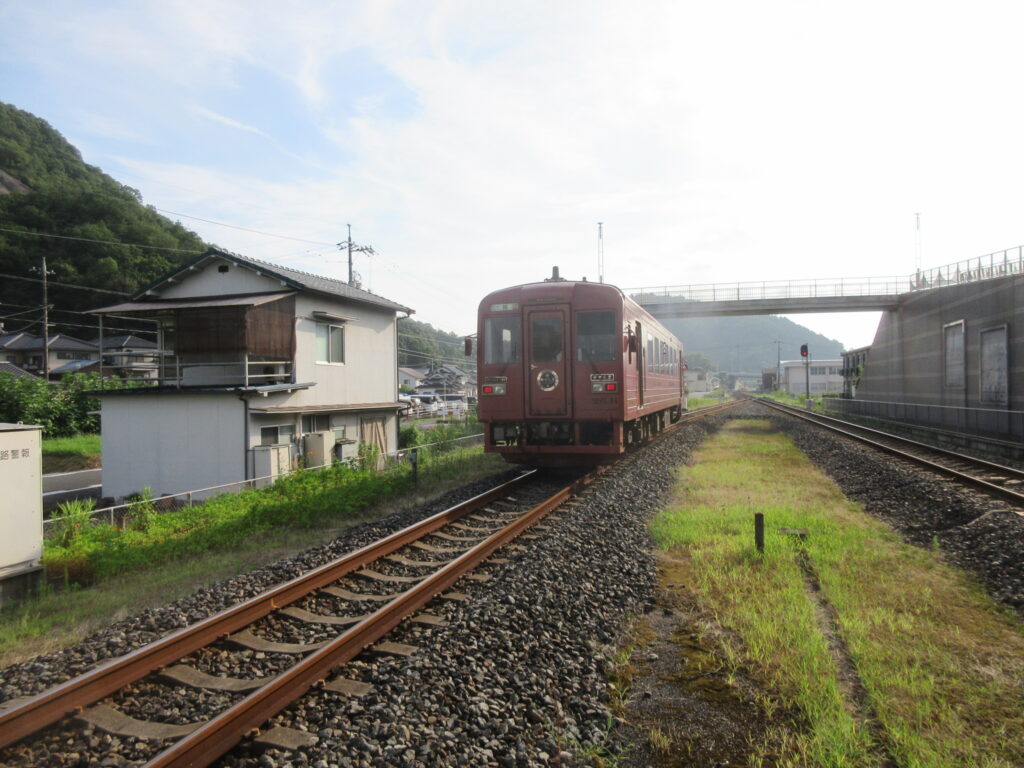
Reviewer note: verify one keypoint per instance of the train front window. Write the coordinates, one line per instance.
(501, 340)
(595, 336)
(546, 339)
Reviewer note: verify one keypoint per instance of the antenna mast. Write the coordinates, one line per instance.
(917, 242)
(600, 252)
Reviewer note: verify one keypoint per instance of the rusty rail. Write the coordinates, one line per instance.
(214, 738)
(51, 705)
(851, 430)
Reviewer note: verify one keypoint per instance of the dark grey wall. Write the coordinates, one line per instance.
(905, 363)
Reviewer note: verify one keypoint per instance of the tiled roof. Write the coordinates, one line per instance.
(293, 277)
(15, 371)
(125, 340)
(58, 341)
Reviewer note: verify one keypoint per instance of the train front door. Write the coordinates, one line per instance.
(547, 362)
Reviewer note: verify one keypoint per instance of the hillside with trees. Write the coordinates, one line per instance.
(747, 344)
(420, 344)
(47, 189)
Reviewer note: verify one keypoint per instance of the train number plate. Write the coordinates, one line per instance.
(602, 377)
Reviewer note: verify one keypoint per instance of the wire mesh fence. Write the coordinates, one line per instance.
(425, 461)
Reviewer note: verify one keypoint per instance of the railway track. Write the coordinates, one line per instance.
(995, 479)
(376, 588)
(357, 600)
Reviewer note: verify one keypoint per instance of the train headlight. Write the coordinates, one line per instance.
(598, 387)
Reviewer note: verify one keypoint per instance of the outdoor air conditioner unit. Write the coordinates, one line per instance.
(319, 448)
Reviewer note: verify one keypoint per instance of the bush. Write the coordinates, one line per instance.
(61, 408)
(74, 518)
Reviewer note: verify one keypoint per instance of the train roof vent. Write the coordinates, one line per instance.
(554, 277)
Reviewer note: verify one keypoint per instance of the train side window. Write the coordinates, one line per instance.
(595, 336)
(502, 339)
(546, 339)
(650, 353)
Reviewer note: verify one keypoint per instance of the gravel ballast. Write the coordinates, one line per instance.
(515, 678)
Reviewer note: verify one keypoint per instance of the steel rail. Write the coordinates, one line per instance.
(990, 487)
(217, 736)
(49, 706)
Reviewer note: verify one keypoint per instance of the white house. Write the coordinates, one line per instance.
(409, 377)
(65, 354)
(262, 368)
(824, 376)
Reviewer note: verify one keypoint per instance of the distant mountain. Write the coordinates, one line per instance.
(46, 188)
(746, 344)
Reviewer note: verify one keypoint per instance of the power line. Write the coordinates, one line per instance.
(246, 229)
(103, 242)
(64, 285)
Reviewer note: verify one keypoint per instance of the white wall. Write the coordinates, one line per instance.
(208, 281)
(171, 442)
(369, 373)
(794, 378)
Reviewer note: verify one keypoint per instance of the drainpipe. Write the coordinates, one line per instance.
(245, 434)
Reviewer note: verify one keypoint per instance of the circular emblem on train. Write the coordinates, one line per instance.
(547, 380)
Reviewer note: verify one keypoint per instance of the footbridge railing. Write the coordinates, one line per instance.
(988, 267)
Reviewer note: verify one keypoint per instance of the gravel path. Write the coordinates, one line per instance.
(975, 531)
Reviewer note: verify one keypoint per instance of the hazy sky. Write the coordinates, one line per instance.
(477, 144)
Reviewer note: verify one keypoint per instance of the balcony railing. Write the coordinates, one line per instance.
(176, 372)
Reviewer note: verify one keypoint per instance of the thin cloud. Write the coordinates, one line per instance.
(216, 117)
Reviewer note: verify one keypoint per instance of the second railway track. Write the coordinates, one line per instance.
(995, 479)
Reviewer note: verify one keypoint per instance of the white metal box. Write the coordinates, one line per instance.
(21, 499)
(271, 461)
(319, 448)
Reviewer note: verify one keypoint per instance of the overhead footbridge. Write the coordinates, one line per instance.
(785, 297)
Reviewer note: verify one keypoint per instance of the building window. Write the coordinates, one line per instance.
(72, 355)
(330, 343)
(994, 383)
(953, 355)
(316, 422)
(285, 433)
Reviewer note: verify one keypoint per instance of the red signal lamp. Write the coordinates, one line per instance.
(610, 387)
(488, 390)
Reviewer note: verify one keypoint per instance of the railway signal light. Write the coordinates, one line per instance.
(803, 350)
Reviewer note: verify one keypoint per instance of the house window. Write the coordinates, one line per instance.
(279, 435)
(72, 355)
(953, 355)
(994, 382)
(330, 343)
(316, 422)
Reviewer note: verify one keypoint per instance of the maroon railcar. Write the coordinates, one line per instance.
(570, 373)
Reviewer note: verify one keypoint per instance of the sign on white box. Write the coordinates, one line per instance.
(21, 502)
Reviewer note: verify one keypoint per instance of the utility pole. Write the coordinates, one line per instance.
(600, 252)
(778, 364)
(354, 248)
(46, 321)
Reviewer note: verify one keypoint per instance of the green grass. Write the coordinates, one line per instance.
(299, 500)
(179, 564)
(702, 402)
(941, 664)
(67, 454)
